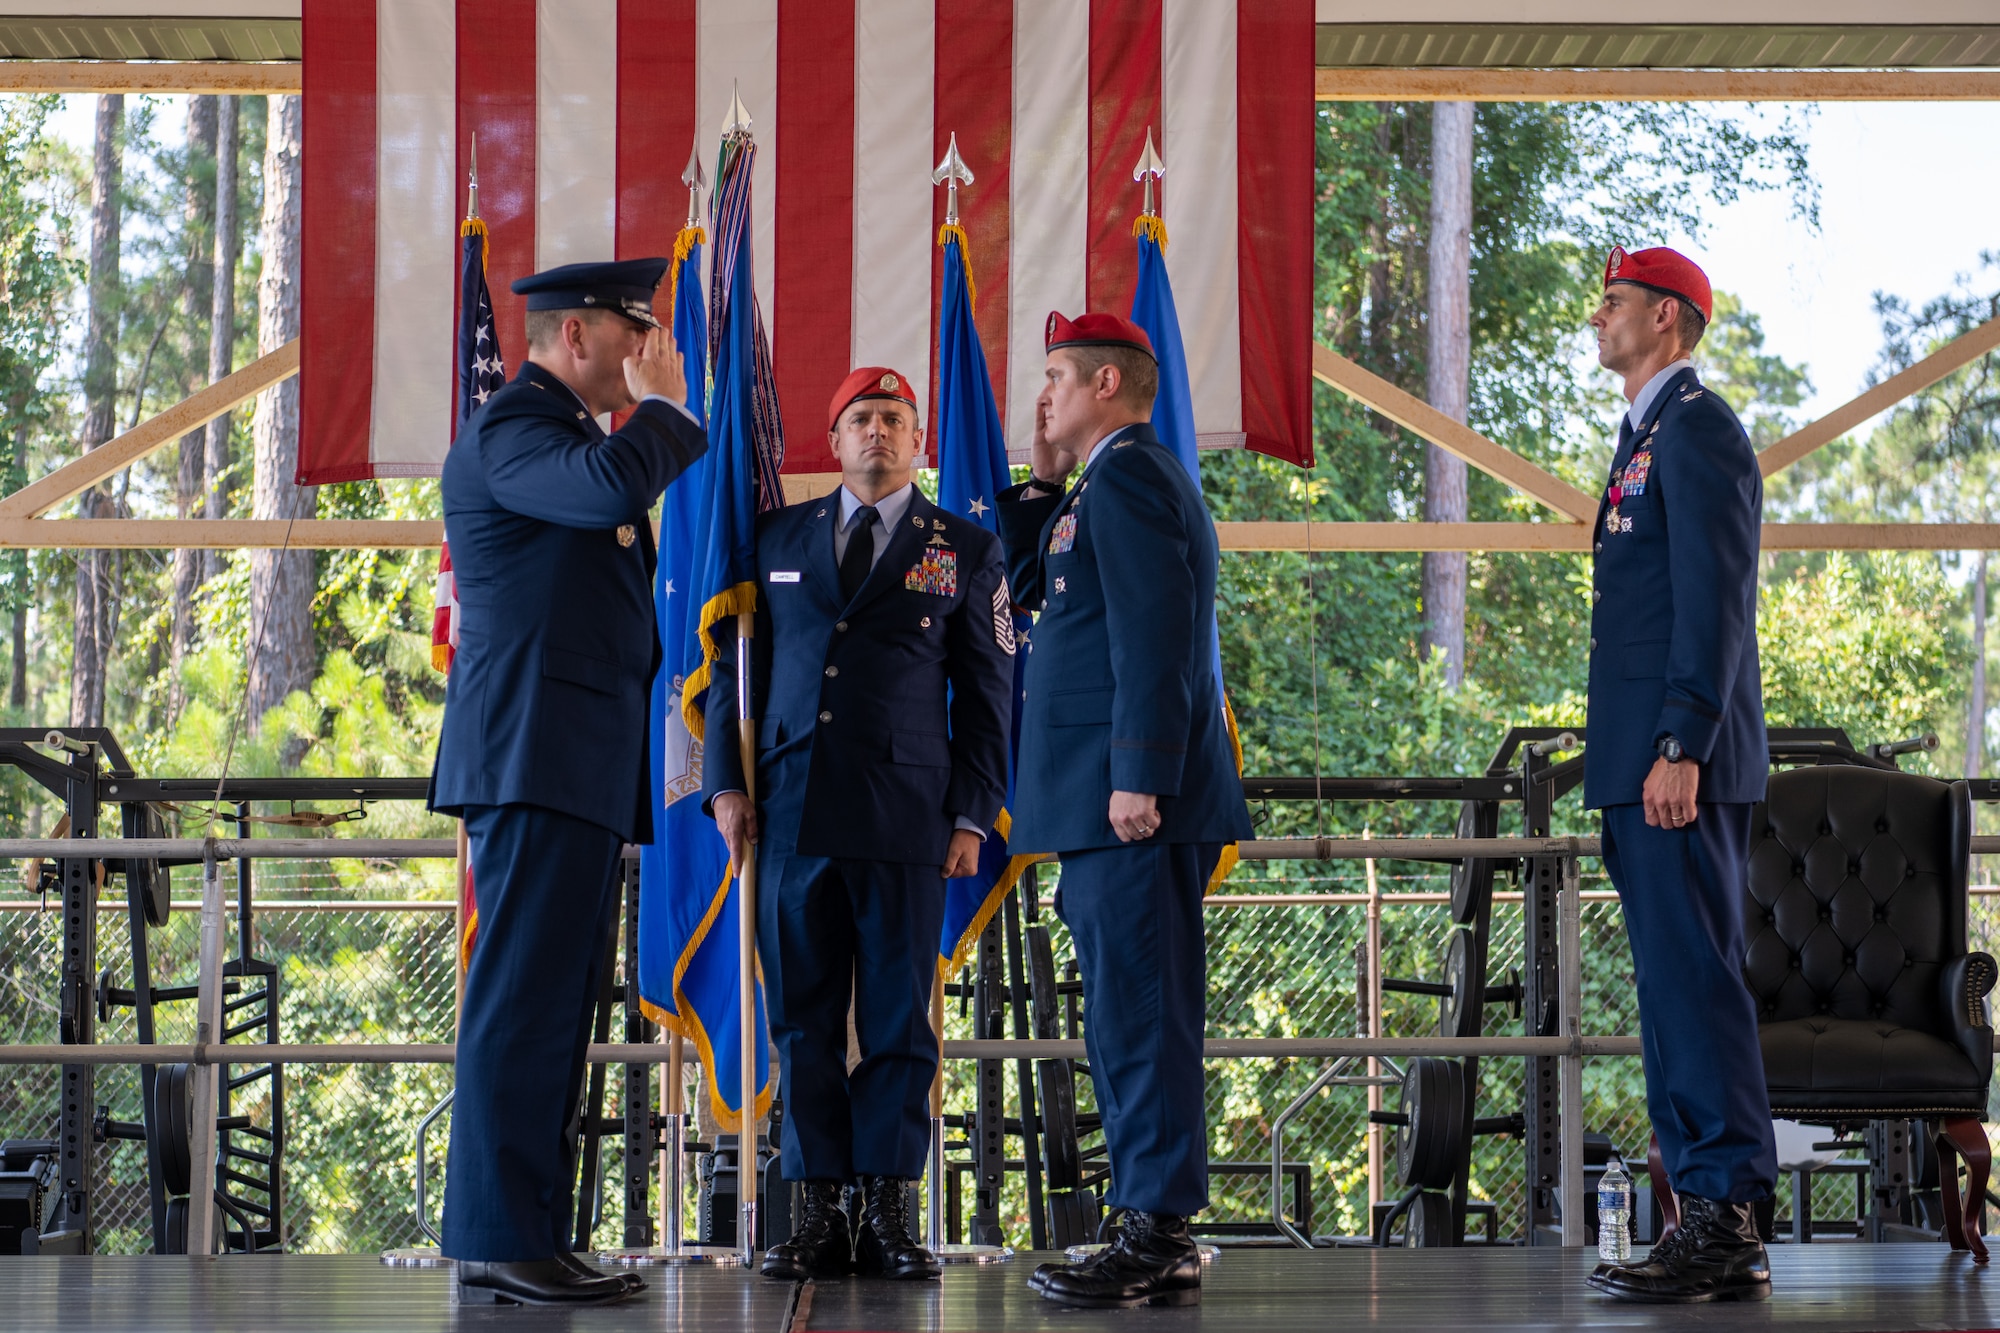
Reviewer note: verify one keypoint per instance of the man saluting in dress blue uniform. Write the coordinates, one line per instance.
(1678, 755)
(543, 751)
(1126, 771)
(883, 675)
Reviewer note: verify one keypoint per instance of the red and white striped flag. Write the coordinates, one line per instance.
(585, 111)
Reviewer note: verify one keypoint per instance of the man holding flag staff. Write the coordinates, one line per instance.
(1126, 770)
(883, 671)
(544, 744)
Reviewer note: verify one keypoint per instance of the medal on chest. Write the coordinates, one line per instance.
(1627, 482)
(936, 573)
(1062, 537)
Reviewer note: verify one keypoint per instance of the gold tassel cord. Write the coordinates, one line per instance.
(477, 227)
(1149, 224)
(948, 233)
(684, 244)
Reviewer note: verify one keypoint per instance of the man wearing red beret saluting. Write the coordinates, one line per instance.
(1678, 755)
(1126, 771)
(884, 679)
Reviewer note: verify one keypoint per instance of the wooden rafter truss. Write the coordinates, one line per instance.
(21, 514)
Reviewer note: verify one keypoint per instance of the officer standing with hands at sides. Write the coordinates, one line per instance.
(543, 751)
(1678, 755)
(1126, 771)
(883, 674)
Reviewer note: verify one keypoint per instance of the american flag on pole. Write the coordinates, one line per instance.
(480, 371)
(584, 110)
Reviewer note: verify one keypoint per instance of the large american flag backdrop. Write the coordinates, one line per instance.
(586, 111)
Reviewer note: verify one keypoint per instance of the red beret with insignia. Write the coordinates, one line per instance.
(1668, 272)
(1096, 330)
(869, 382)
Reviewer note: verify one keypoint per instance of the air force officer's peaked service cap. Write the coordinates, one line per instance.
(624, 286)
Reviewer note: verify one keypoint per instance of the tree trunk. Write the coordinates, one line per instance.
(1449, 374)
(222, 321)
(1379, 298)
(1975, 727)
(199, 298)
(282, 657)
(17, 562)
(89, 619)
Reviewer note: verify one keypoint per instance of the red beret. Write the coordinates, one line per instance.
(1668, 272)
(1096, 330)
(869, 382)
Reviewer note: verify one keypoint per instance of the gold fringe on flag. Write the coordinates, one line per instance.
(725, 605)
(477, 227)
(948, 233)
(684, 244)
(1149, 224)
(1228, 859)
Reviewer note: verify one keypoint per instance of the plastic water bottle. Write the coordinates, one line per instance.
(1614, 1214)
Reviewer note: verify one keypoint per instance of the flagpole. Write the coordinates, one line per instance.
(746, 950)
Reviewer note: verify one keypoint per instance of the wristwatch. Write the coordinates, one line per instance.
(1670, 749)
(1045, 487)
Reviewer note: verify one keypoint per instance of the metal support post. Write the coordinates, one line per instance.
(934, 1240)
(1570, 1076)
(1541, 1008)
(69, 1228)
(207, 1029)
(746, 952)
(637, 1116)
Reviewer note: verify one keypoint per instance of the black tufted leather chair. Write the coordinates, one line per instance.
(1869, 1005)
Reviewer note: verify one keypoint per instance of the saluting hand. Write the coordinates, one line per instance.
(1049, 462)
(657, 368)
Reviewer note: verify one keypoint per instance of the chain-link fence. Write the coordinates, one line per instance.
(370, 958)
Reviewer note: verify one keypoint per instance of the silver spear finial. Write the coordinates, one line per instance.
(951, 173)
(694, 180)
(739, 116)
(1150, 169)
(472, 180)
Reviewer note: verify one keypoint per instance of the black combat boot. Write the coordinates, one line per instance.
(885, 1247)
(1714, 1255)
(1152, 1261)
(821, 1245)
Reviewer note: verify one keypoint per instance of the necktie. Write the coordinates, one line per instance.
(860, 557)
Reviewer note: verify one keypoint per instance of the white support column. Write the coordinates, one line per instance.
(208, 1030)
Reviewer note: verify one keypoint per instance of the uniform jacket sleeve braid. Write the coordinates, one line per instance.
(542, 469)
(1022, 518)
(1142, 560)
(981, 673)
(1713, 497)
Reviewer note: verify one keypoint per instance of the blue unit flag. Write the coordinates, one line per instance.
(972, 471)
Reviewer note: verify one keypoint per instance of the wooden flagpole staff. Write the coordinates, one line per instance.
(746, 949)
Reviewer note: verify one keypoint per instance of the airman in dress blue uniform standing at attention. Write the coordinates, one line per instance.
(883, 671)
(1126, 771)
(543, 751)
(1678, 756)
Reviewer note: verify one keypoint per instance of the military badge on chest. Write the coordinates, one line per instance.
(1062, 538)
(936, 573)
(1628, 483)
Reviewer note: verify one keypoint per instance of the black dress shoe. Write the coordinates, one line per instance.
(1152, 1261)
(885, 1247)
(633, 1282)
(533, 1282)
(821, 1243)
(1713, 1256)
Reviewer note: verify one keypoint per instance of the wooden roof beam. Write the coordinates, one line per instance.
(1384, 84)
(1454, 437)
(151, 435)
(150, 76)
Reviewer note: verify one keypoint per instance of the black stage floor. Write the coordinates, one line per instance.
(1830, 1288)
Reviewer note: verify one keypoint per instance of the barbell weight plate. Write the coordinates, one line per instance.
(1060, 1152)
(1461, 1013)
(1044, 1005)
(1427, 1223)
(173, 1121)
(149, 880)
(1428, 1148)
(1472, 878)
(176, 1239)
